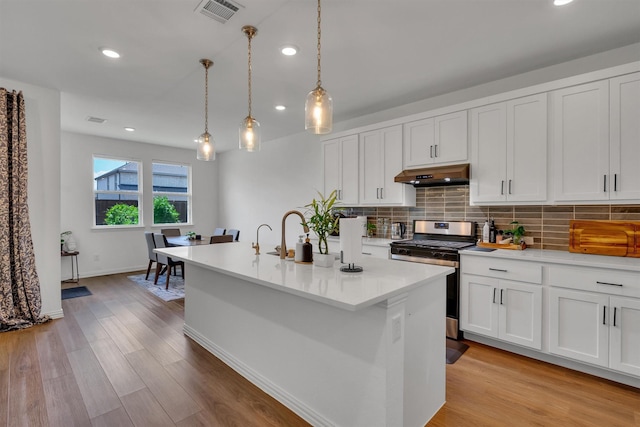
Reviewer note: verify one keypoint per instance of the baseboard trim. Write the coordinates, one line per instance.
(282, 396)
(56, 314)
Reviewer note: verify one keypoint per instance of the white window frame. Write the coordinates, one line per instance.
(138, 193)
(187, 195)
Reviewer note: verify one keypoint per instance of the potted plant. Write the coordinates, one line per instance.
(191, 235)
(517, 231)
(322, 221)
(371, 229)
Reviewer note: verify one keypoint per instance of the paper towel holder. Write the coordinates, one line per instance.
(349, 268)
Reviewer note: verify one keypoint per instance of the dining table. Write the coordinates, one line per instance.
(185, 241)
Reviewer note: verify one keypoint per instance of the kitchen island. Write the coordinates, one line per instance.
(348, 349)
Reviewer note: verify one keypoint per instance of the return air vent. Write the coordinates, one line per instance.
(95, 119)
(220, 10)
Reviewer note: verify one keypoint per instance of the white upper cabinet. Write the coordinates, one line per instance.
(625, 137)
(509, 151)
(581, 141)
(441, 139)
(341, 168)
(380, 162)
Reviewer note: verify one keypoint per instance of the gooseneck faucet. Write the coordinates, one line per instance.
(283, 243)
(257, 245)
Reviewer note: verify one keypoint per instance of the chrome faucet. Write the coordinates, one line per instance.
(283, 243)
(257, 245)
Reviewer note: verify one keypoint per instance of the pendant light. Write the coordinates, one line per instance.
(250, 128)
(318, 109)
(206, 149)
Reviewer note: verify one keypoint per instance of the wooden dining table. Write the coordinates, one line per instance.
(184, 241)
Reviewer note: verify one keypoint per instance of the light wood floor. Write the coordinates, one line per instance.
(119, 358)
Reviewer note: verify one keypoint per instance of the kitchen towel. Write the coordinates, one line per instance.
(363, 224)
(350, 240)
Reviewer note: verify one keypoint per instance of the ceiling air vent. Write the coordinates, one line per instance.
(95, 119)
(220, 10)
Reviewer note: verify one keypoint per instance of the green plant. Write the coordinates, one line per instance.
(321, 220)
(163, 211)
(121, 214)
(517, 231)
(371, 228)
(191, 235)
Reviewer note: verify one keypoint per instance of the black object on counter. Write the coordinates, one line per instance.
(307, 251)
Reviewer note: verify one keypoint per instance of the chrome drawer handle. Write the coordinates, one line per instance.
(608, 284)
(501, 270)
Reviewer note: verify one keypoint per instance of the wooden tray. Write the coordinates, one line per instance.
(503, 246)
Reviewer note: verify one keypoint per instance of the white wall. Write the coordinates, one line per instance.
(43, 142)
(260, 187)
(107, 251)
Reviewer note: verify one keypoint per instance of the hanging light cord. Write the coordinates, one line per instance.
(249, 36)
(206, 96)
(319, 82)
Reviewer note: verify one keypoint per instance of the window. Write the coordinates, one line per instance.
(117, 192)
(171, 193)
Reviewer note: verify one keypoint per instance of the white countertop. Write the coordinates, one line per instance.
(380, 280)
(371, 241)
(562, 257)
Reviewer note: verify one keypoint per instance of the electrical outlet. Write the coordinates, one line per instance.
(528, 240)
(96, 258)
(396, 328)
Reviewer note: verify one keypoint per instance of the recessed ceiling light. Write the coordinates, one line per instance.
(110, 53)
(289, 50)
(129, 129)
(280, 107)
(561, 2)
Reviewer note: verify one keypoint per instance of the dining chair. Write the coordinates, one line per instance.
(151, 245)
(235, 233)
(227, 238)
(219, 232)
(161, 242)
(171, 232)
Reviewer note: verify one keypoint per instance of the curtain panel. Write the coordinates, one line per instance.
(20, 302)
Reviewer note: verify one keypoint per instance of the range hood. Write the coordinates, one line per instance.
(435, 176)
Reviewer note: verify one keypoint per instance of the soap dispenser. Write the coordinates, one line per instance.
(307, 254)
(299, 244)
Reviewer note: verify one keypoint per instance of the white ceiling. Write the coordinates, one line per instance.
(376, 54)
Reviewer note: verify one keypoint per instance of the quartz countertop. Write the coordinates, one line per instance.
(381, 279)
(561, 257)
(371, 241)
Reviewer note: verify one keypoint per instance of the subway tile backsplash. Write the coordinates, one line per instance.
(548, 225)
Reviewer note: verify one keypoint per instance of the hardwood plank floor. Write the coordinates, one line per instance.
(119, 358)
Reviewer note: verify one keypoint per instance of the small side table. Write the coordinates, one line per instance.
(75, 276)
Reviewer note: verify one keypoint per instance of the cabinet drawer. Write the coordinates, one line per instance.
(615, 282)
(522, 271)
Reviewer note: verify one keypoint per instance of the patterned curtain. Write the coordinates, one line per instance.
(19, 285)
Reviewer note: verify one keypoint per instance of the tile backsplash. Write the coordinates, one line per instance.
(548, 225)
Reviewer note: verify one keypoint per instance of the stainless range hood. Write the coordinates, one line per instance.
(435, 176)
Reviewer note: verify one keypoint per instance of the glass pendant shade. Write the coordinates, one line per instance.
(250, 134)
(318, 111)
(206, 150)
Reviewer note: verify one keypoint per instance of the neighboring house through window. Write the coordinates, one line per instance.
(171, 193)
(117, 194)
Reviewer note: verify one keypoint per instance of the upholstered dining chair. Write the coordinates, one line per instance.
(235, 233)
(221, 239)
(171, 232)
(218, 232)
(163, 260)
(151, 245)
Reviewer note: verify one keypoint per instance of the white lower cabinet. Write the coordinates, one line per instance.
(595, 328)
(503, 309)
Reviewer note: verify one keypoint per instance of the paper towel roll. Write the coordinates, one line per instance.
(363, 221)
(350, 240)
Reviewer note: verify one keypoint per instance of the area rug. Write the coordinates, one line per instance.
(80, 291)
(175, 291)
(455, 349)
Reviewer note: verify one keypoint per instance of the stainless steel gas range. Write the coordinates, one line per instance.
(438, 242)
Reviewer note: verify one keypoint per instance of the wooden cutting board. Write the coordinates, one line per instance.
(616, 238)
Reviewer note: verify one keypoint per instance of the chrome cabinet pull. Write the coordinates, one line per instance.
(604, 314)
(494, 295)
(509, 186)
(431, 151)
(615, 309)
(502, 187)
(497, 269)
(435, 150)
(608, 284)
